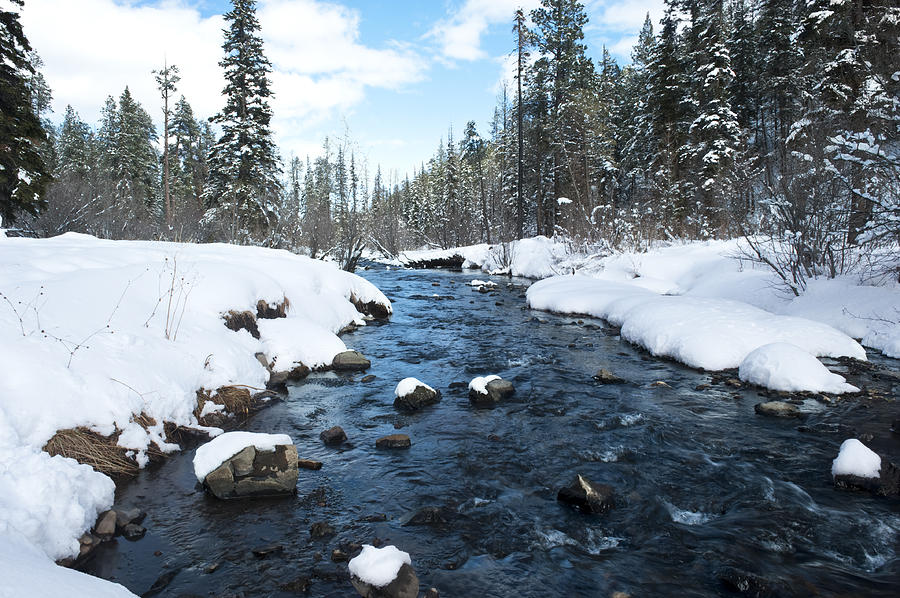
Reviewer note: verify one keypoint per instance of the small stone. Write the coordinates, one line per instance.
(734, 382)
(432, 593)
(266, 551)
(421, 397)
(88, 542)
(298, 586)
(392, 441)
(106, 525)
(368, 378)
(350, 361)
(299, 372)
(277, 379)
(339, 556)
(133, 531)
(332, 436)
(428, 516)
(126, 516)
(321, 529)
(604, 376)
(309, 464)
(587, 496)
(777, 409)
(212, 568)
(702, 387)
(660, 384)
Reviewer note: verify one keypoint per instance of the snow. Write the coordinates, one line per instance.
(378, 566)
(408, 386)
(91, 338)
(26, 571)
(482, 283)
(480, 383)
(783, 366)
(221, 448)
(857, 459)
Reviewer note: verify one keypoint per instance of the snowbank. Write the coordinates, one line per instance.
(782, 366)
(706, 333)
(408, 386)
(480, 383)
(857, 459)
(25, 571)
(378, 566)
(96, 332)
(225, 446)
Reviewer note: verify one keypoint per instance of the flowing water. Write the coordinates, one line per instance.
(706, 491)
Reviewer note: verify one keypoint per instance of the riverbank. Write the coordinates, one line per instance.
(120, 338)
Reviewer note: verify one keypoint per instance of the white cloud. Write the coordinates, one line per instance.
(624, 15)
(94, 48)
(460, 34)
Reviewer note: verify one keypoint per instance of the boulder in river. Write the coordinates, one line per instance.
(587, 496)
(245, 464)
(604, 376)
(412, 395)
(383, 573)
(333, 436)
(857, 467)
(489, 390)
(777, 409)
(393, 441)
(350, 361)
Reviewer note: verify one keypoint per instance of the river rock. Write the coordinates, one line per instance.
(495, 391)
(604, 376)
(321, 529)
(777, 409)
(350, 361)
(366, 379)
(309, 464)
(429, 516)
(253, 472)
(133, 531)
(125, 516)
(587, 496)
(405, 585)
(886, 484)
(393, 441)
(422, 396)
(333, 436)
(432, 593)
(106, 525)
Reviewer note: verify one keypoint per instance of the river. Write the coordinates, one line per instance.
(708, 494)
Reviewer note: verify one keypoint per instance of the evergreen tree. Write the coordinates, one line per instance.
(167, 79)
(244, 184)
(23, 172)
(135, 163)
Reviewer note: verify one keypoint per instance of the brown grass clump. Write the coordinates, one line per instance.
(267, 312)
(90, 448)
(238, 320)
(236, 399)
(377, 310)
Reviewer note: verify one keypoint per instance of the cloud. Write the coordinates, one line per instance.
(459, 35)
(94, 48)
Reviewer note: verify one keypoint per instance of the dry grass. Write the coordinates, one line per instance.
(90, 448)
(236, 399)
(242, 320)
(267, 312)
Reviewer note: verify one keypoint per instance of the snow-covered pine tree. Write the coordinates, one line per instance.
(167, 80)
(244, 185)
(23, 172)
(135, 162)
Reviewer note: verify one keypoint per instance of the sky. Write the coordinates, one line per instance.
(393, 74)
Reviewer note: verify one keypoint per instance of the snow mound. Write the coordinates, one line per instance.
(482, 283)
(378, 566)
(857, 459)
(27, 572)
(480, 383)
(787, 367)
(702, 332)
(408, 386)
(279, 337)
(218, 450)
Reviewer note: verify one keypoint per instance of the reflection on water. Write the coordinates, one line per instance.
(705, 488)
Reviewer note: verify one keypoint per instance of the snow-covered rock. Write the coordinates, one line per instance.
(412, 394)
(383, 573)
(479, 384)
(239, 464)
(489, 390)
(856, 459)
(787, 367)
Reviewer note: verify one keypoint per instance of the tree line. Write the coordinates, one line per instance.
(774, 119)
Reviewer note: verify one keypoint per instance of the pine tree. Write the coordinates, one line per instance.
(636, 133)
(167, 80)
(23, 172)
(244, 183)
(135, 162)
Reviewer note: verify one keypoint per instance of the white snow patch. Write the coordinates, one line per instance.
(787, 367)
(480, 383)
(218, 450)
(408, 386)
(378, 566)
(26, 571)
(857, 459)
(294, 340)
(482, 283)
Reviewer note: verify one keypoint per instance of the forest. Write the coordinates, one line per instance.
(776, 120)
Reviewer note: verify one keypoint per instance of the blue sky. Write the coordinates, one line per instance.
(396, 74)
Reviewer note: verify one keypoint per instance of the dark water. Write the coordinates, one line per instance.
(705, 488)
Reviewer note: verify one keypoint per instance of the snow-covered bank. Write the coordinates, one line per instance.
(98, 332)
